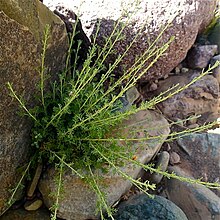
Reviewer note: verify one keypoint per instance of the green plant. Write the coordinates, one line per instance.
(213, 22)
(73, 120)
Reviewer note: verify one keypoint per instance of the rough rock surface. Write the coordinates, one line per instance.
(22, 25)
(192, 17)
(199, 56)
(204, 155)
(197, 201)
(145, 208)
(78, 200)
(200, 97)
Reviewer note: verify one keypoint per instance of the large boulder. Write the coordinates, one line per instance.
(22, 26)
(189, 18)
(78, 200)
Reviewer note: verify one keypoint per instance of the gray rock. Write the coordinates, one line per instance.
(132, 95)
(213, 36)
(200, 97)
(78, 201)
(162, 164)
(216, 71)
(208, 143)
(141, 207)
(21, 214)
(153, 87)
(197, 201)
(22, 25)
(204, 153)
(178, 69)
(184, 70)
(153, 15)
(199, 56)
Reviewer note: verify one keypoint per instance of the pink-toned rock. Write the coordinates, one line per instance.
(191, 17)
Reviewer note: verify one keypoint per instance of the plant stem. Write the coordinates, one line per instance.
(42, 69)
(20, 102)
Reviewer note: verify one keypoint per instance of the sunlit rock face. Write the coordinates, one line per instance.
(147, 19)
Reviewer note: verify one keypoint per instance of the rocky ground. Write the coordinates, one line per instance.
(196, 155)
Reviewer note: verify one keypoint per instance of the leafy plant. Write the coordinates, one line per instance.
(72, 122)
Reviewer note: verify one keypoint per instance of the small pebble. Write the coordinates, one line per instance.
(166, 76)
(33, 205)
(174, 158)
(153, 87)
(184, 70)
(177, 70)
